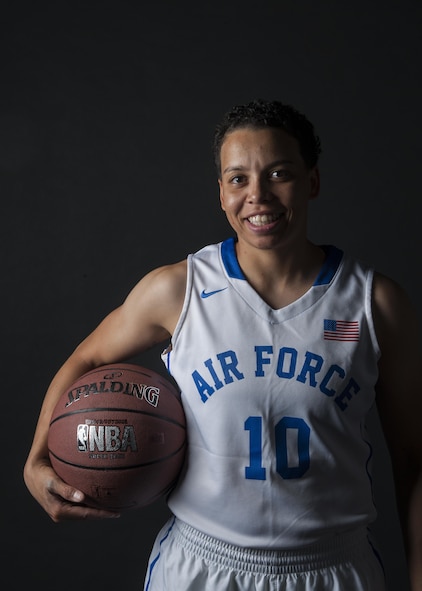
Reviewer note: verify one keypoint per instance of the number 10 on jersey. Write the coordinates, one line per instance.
(292, 461)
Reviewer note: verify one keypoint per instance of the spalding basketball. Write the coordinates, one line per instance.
(119, 435)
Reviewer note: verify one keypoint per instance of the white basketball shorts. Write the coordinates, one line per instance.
(185, 559)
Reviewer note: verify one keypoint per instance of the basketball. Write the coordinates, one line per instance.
(118, 434)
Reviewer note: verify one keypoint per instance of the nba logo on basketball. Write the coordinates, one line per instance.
(106, 438)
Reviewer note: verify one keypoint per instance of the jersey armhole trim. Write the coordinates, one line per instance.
(188, 291)
(369, 312)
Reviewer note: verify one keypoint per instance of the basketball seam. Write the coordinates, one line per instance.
(119, 468)
(108, 409)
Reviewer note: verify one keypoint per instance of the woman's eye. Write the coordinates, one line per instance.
(280, 174)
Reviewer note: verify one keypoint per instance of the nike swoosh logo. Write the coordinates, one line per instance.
(207, 294)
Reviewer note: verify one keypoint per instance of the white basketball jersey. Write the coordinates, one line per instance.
(275, 402)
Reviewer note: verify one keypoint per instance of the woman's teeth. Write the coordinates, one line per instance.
(263, 220)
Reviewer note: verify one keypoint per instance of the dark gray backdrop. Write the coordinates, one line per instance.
(107, 114)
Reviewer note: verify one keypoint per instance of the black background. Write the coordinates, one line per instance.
(106, 120)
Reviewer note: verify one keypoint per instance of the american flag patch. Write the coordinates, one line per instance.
(341, 330)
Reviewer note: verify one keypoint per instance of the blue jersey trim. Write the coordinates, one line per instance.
(330, 266)
(231, 264)
(326, 274)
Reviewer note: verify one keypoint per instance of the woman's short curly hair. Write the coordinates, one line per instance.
(261, 113)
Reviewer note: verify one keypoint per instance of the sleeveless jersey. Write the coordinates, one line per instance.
(275, 402)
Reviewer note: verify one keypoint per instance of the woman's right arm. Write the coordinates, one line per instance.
(147, 317)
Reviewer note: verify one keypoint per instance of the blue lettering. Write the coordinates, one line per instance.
(228, 362)
(324, 384)
(204, 389)
(303, 436)
(217, 382)
(260, 360)
(287, 368)
(282, 373)
(309, 368)
(351, 388)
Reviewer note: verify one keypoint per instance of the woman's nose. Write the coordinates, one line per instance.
(258, 191)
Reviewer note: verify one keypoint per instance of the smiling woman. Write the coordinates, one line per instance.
(280, 348)
(265, 188)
